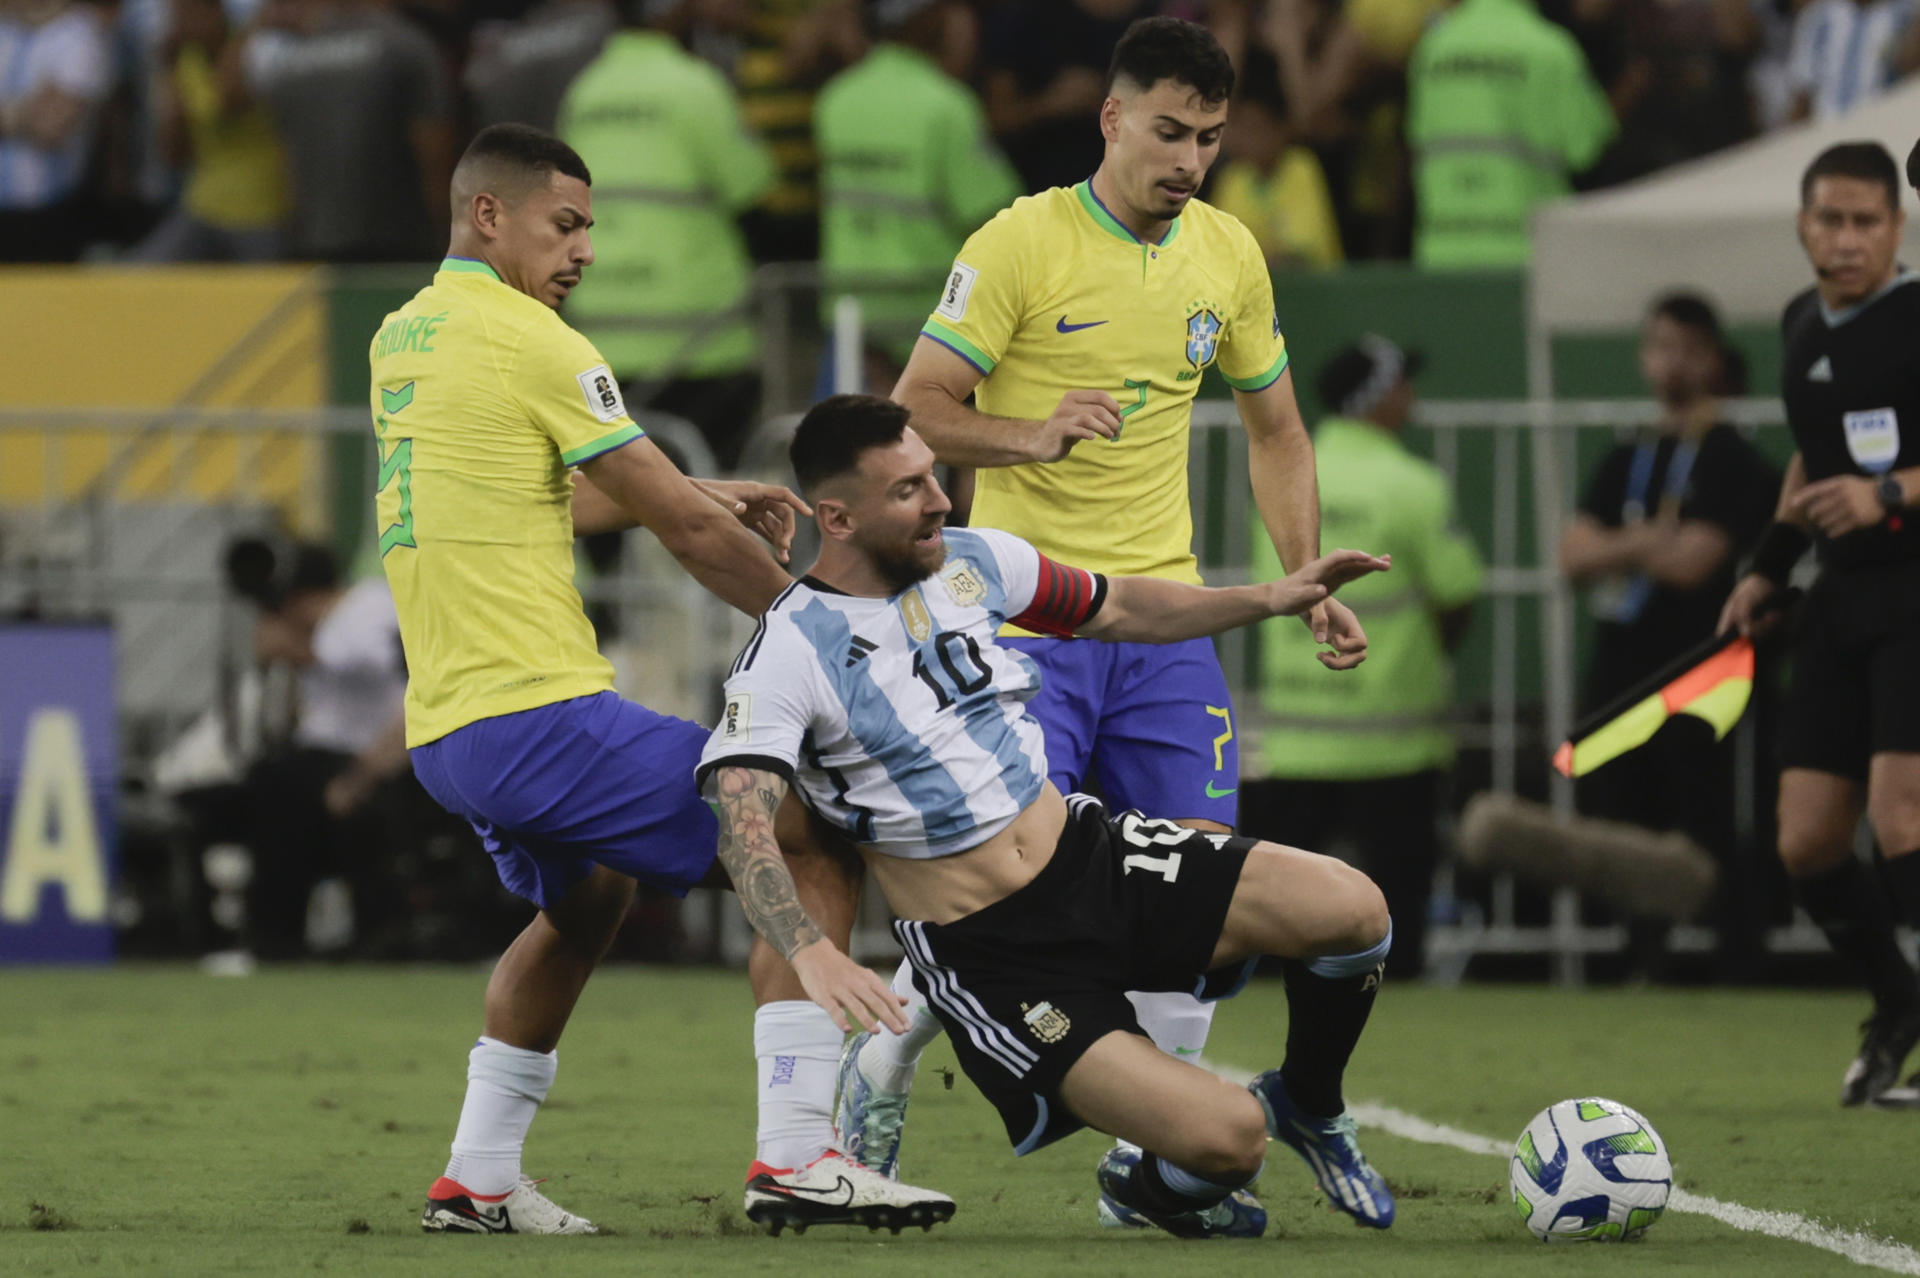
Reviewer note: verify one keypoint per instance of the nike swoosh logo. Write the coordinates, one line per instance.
(1213, 793)
(841, 1186)
(1062, 326)
(1186, 1051)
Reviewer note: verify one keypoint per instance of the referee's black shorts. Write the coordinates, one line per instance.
(1856, 671)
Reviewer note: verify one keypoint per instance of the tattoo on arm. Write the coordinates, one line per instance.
(745, 801)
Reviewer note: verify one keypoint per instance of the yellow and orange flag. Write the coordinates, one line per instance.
(1712, 682)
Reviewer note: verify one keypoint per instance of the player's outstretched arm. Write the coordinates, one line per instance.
(1154, 610)
(766, 510)
(745, 800)
(709, 543)
(1286, 488)
(935, 386)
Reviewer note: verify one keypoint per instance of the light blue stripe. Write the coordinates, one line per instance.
(981, 714)
(1334, 966)
(1032, 1142)
(926, 784)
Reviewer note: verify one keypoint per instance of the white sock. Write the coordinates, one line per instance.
(797, 1046)
(889, 1059)
(505, 1086)
(1178, 1023)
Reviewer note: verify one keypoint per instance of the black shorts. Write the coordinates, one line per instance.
(1028, 984)
(1856, 671)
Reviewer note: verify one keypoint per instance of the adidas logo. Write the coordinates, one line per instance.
(858, 650)
(1822, 370)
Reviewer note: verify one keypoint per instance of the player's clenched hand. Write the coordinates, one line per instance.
(843, 986)
(1082, 414)
(766, 509)
(1839, 505)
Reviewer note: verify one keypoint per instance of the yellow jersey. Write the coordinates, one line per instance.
(1054, 295)
(482, 400)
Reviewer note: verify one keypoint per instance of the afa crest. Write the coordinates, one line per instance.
(964, 584)
(1203, 337)
(1048, 1023)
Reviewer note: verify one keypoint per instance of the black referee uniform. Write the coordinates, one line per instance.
(1851, 382)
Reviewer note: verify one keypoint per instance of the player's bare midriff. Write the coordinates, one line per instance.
(951, 887)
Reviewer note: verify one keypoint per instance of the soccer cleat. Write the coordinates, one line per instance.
(454, 1209)
(868, 1121)
(1887, 1037)
(1331, 1147)
(1238, 1215)
(1905, 1096)
(833, 1189)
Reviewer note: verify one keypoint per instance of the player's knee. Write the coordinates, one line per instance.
(1808, 848)
(1896, 823)
(1358, 920)
(1230, 1146)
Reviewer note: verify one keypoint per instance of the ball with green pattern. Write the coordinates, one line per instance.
(1590, 1170)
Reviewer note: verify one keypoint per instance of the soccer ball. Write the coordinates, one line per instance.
(1589, 1170)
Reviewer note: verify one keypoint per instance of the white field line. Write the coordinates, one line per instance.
(1861, 1248)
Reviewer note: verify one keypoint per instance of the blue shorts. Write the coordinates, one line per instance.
(556, 790)
(1151, 723)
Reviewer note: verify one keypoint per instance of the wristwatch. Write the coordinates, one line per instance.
(1892, 493)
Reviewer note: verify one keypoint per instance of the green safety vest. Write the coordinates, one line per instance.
(907, 172)
(673, 164)
(1387, 716)
(1501, 110)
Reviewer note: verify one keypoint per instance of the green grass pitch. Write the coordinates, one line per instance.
(157, 1121)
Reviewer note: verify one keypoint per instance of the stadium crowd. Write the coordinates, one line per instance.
(182, 130)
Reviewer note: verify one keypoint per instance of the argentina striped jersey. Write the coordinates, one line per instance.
(899, 719)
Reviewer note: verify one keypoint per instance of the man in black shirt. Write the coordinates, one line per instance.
(1660, 526)
(1851, 735)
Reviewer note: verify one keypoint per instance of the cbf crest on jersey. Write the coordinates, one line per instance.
(1203, 336)
(964, 584)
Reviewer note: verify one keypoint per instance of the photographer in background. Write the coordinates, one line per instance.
(309, 800)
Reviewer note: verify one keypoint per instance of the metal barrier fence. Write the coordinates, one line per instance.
(124, 514)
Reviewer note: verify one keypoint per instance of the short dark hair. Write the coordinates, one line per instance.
(1156, 49)
(524, 147)
(835, 431)
(1863, 161)
(1913, 167)
(1689, 310)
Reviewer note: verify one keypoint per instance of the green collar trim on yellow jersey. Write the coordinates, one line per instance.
(468, 266)
(1111, 224)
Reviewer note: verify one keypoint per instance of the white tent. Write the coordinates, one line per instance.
(1723, 225)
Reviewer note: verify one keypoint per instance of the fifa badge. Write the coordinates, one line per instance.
(913, 610)
(1048, 1023)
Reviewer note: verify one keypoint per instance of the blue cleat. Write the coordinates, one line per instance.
(1331, 1147)
(868, 1120)
(1238, 1215)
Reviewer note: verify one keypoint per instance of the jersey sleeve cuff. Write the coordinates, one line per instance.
(959, 346)
(1259, 381)
(757, 762)
(605, 444)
